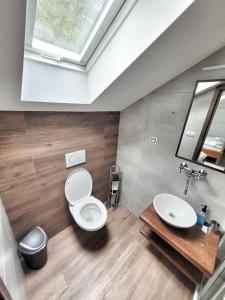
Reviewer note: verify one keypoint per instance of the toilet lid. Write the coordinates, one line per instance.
(78, 185)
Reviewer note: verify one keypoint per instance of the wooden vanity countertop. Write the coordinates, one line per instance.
(193, 244)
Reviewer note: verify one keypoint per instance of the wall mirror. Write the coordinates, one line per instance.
(203, 137)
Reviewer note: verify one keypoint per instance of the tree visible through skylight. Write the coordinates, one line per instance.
(66, 23)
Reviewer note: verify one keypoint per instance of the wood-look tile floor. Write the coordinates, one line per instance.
(114, 263)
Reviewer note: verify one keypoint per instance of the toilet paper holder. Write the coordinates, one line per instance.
(114, 188)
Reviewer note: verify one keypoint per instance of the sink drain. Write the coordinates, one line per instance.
(172, 215)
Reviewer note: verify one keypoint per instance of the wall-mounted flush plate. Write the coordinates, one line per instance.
(153, 140)
(75, 158)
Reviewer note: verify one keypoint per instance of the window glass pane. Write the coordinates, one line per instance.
(66, 23)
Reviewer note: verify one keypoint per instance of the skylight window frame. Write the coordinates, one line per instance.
(106, 17)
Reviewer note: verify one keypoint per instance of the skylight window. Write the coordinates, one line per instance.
(68, 29)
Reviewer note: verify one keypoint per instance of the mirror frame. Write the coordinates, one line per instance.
(209, 117)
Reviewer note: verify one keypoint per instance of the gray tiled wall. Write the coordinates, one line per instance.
(150, 169)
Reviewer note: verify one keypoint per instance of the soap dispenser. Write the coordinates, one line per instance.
(201, 216)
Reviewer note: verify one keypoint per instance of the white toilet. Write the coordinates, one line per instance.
(88, 212)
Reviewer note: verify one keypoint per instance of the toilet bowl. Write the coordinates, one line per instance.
(88, 212)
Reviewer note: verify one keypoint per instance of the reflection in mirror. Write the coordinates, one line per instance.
(203, 136)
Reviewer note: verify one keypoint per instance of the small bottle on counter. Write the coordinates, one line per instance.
(201, 216)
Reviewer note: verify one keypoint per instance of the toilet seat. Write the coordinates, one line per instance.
(88, 212)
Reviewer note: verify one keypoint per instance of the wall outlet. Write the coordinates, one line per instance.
(75, 158)
(153, 140)
(190, 133)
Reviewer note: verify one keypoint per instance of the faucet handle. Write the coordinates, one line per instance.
(201, 175)
(182, 166)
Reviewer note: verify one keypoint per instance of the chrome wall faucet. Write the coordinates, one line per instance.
(191, 173)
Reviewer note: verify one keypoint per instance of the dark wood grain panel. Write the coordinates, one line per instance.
(40, 144)
(43, 121)
(14, 169)
(32, 163)
(11, 123)
(22, 197)
(13, 147)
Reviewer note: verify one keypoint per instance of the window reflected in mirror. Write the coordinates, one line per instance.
(203, 135)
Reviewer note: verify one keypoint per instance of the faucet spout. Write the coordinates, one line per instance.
(190, 173)
(187, 183)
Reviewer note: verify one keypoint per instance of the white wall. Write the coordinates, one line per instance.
(43, 83)
(198, 32)
(152, 169)
(47, 83)
(12, 24)
(145, 23)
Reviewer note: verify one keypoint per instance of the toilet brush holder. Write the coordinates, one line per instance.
(114, 188)
(112, 202)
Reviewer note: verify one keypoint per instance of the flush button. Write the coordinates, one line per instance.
(75, 158)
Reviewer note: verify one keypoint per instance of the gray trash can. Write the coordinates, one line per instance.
(33, 248)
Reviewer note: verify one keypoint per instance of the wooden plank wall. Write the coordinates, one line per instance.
(32, 164)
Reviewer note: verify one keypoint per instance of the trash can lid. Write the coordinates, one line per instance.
(34, 241)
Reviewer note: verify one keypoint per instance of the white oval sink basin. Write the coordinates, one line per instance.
(175, 211)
